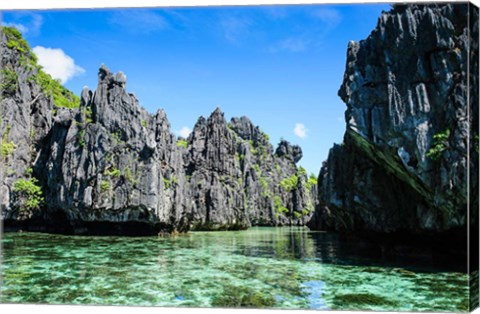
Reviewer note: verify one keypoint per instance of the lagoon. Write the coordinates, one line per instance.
(282, 268)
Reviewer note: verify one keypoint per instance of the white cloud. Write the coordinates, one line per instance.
(300, 130)
(185, 132)
(56, 63)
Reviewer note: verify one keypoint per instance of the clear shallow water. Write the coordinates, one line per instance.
(288, 268)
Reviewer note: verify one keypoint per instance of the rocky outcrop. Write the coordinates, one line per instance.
(107, 166)
(409, 148)
(237, 181)
(26, 118)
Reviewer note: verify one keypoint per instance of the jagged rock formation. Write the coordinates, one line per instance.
(110, 167)
(26, 117)
(412, 131)
(236, 179)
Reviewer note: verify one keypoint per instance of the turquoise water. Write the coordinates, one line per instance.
(287, 268)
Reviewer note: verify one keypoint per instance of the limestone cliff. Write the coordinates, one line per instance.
(102, 164)
(411, 141)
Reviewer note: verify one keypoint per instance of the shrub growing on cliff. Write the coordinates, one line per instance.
(279, 205)
(9, 82)
(312, 180)
(29, 193)
(62, 97)
(169, 182)
(289, 183)
(439, 145)
(182, 143)
(6, 147)
(112, 171)
(104, 186)
(302, 171)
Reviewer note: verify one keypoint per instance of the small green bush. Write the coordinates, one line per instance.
(279, 205)
(263, 183)
(182, 143)
(88, 114)
(439, 145)
(169, 182)
(144, 123)
(129, 176)
(289, 183)
(312, 181)
(114, 172)
(302, 172)
(81, 138)
(20, 45)
(62, 97)
(11, 32)
(7, 148)
(30, 193)
(104, 186)
(267, 137)
(9, 82)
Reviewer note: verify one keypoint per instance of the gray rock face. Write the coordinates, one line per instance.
(26, 118)
(114, 162)
(404, 164)
(110, 167)
(237, 181)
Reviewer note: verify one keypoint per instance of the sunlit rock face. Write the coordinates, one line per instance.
(409, 152)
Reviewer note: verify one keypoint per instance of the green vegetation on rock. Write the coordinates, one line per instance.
(7, 147)
(88, 114)
(81, 138)
(129, 176)
(182, 143)
(169, 182)
(104, 186)
(312, 181)
(9, 81)
(289, 183)
(302, 171)
(29, 193)
(112, 171)
(279, 205)
(439, 145)
(62, 97)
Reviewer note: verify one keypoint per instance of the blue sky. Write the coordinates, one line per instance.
(279, 65)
